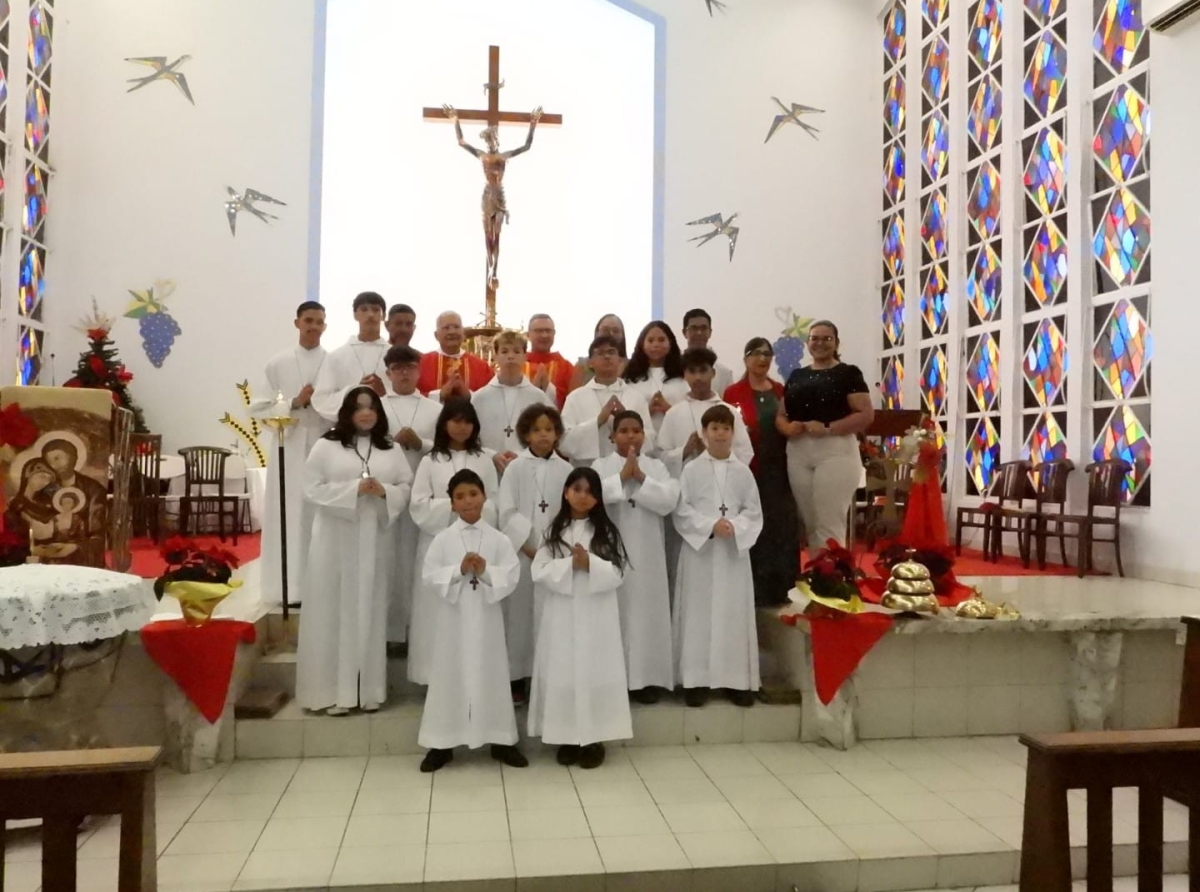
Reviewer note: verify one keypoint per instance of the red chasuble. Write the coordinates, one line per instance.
(559, 372)
(437, 369)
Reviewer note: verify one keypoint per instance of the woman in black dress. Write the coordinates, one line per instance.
(824, 406)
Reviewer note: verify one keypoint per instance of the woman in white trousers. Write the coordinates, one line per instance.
(825, 405)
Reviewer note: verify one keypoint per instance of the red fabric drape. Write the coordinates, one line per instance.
(838, 646)
(198, 658)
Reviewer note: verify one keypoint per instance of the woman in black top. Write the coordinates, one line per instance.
(824, 406)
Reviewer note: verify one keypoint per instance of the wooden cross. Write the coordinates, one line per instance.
(723, 509)
(492, 114)
(543, 505)
(474, 582)
(508, 431)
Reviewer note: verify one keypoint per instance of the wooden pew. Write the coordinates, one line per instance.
(62, 788)
(1160, 763)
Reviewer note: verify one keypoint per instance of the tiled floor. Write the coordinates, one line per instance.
(901, 814)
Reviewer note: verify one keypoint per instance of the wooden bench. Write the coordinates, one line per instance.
(1160, 763)
(62, 788)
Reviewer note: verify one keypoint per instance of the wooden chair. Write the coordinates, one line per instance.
(1105, 492)
(204, 490)
(237, 485)
(1010, 486)
(62, 788)
(1049, 489)
(146, 491)
(888, 483)
(1189, 688)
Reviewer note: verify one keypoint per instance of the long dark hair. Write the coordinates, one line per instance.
(620, 340)
(606, 538)
(344, 430)
(752, 345)
(638, 368)
(456, 410)
(837, 337)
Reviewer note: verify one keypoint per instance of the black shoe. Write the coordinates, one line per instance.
(510, 756)
(518, 691)
(397, 650)
(645, 695)
(591, 756)
(568, 754)
(695, 696)
(435, 759)
(740, 698)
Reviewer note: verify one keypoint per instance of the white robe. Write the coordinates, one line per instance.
(579, 695)
(344, 368)
(673, 391)
(499, 406)
(683, 420)
(342, 657)
(528, 484)
(716, 642)
(644, 598)
(722, 378)
(432, 514)
(287, 373)
(584, 440)
(421, 414)
(469, 701)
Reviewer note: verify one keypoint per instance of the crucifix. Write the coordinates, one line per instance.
(474, 583)
(723, 509)
(508, 431)
(495, 208)
(543, 504)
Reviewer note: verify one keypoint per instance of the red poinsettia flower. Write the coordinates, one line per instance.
(222, 556)
(96, 364)
(73, 382)
(97, 334)
(16, 428)
(176, 549)
(123, 374)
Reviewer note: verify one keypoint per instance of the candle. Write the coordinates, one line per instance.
(282, 408)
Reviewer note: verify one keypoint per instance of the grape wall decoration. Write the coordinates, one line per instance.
(789, 346)
(158, 327)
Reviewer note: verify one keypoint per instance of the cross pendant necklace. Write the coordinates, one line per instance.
(474, 582)
(724, 509)
(508, 413)
(540, 483)
(462, 536)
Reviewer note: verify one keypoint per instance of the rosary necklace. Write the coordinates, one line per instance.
(366, 462)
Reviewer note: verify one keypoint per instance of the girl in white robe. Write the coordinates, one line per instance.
(638, 493)
(455, 447)
(719, 517)
(358, 484)
(529, 496)
(579, 697)
(472, 567)
(655, 372)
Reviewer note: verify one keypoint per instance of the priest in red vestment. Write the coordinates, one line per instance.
(448, 370)
(546, 369)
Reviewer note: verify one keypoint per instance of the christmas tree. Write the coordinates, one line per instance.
(99, 367)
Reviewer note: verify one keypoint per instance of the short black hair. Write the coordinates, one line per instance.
(308, 305)
(401, 356)
(466, 475)
(697, 358)
(696, 313)
(719, 414)
(397, 309)
(603, 341)
(627, 415)
(370, 298)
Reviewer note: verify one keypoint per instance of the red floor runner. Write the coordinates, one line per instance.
(149, 565)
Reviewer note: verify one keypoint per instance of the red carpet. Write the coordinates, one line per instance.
(148, 564)
(971, 563)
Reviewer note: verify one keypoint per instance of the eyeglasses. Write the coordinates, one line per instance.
(606, 354)
(821, 339)
(761, 353)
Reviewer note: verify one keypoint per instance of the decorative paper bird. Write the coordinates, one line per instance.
(245, 202)
(721, 227)
(714, 4)
(162, 72)
(793, 116)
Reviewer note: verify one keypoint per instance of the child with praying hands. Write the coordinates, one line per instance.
(472, 568)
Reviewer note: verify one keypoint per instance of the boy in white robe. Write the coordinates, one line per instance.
(411, 421)
(579, 696)
(472, 567)
(679, 439)
(358, 361)
(358, 483)
(501, 401)
(293, 374)
(719, 517)
(529, 498)
(587, 413)
(638, 493)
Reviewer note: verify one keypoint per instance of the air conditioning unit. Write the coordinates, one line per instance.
(1169, 15)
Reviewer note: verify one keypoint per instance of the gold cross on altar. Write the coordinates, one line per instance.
(492, 114)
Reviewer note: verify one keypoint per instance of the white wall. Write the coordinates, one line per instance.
(1163, 540)
(142, 176)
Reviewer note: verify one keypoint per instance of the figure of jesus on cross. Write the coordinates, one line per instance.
(494, 206)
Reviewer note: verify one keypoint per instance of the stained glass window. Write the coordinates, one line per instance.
(983, 118)
(5, 299)
(1046, 264)
(983, 284)
(892, 385)
(894, 106)
(983, 372)
(1124, 348)
(937, 65)
(1122, 239)
(933, 300)
(984, 44)
(893, 313)
(936, 146)
(1046, 171)
(933, 381)
(984, 207)
(1046, 80)
(1120, 34)
(933, 225)
(29, 354)
(895, 184)
(1046, 440)
(1121, 139)
(894, 33)
(893, 174)
(1126, 436)
(893, 246)
(1046, 361)
(983, 455)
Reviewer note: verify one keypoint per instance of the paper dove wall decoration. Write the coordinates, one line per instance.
(714, 4)
(792, 116)
(162, 72)
(245, 202)
(721, 227)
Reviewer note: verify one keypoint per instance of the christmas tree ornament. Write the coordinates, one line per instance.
(100, 368)
(157, 326)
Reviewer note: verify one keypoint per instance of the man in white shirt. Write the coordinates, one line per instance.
(292, 374)
(697, 329)
(502, 400)
(358, 361)
(588, 411)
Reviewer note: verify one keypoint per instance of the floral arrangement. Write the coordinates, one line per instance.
(832, 573)
(187, 561)
(17, 432)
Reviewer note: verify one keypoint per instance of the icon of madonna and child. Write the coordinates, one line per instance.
(53, 495)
